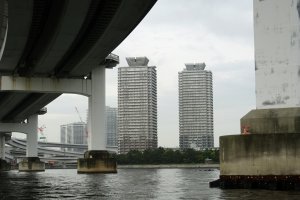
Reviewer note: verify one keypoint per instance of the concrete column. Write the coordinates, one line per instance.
(89, 128)
(4, 166)
(32, 137)
(2, 146)
(32, 162)
(96, 132)
(97, 159)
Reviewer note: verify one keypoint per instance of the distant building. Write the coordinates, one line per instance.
(195, 107)
(137, 106)
(74, 133)
(111, 126)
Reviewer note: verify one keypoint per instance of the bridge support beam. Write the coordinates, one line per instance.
(32, 137)
(96, 132)
(32, 162)
(97, 159)
(2, 146)
(4, 166)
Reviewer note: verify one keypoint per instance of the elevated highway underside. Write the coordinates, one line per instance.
(58, 39)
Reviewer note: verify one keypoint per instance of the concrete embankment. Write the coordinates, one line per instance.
(170, 166)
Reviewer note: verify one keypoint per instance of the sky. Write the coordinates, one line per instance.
(175, 32)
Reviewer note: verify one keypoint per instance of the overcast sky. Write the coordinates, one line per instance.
(175, 32)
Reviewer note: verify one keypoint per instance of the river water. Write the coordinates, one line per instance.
(130, 184)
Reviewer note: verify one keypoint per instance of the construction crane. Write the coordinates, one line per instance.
(86, 131)
(78, 114)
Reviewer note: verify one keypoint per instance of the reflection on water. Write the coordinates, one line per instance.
(127, 184)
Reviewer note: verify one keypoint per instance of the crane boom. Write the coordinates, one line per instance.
(78, 114)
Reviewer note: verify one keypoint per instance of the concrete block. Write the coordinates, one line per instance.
(270, 121)
(97, 161)
(260, 161)
(260, 154)
(31, 164)
(4, 166)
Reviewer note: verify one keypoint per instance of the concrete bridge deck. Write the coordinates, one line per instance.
(58, 39)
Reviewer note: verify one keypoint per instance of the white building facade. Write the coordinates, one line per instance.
(195, 107)
(137, 106)
(277, 50)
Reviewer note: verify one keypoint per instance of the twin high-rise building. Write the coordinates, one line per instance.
(195, 107)
(134, 124)
(137, 106)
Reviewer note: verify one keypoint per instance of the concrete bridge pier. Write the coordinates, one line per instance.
(4, 166)
(265, 155)
(29, 127)
(2, 146)
(32, 162)
(97, 159)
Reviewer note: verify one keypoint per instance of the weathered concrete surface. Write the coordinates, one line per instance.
(97, 161)
(260, 154)
(280, 120)
(31, 164)
(277, 60)
(4, 166)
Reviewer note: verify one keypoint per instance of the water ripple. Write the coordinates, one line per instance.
(136, 184)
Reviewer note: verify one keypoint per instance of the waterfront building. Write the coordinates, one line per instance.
(111, 126)
(195, 107)
(73, 133)
(137, 106)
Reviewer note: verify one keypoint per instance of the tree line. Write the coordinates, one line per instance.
(168, 156)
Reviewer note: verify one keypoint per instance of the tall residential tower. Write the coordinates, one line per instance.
(137, 106)
(195, 107)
